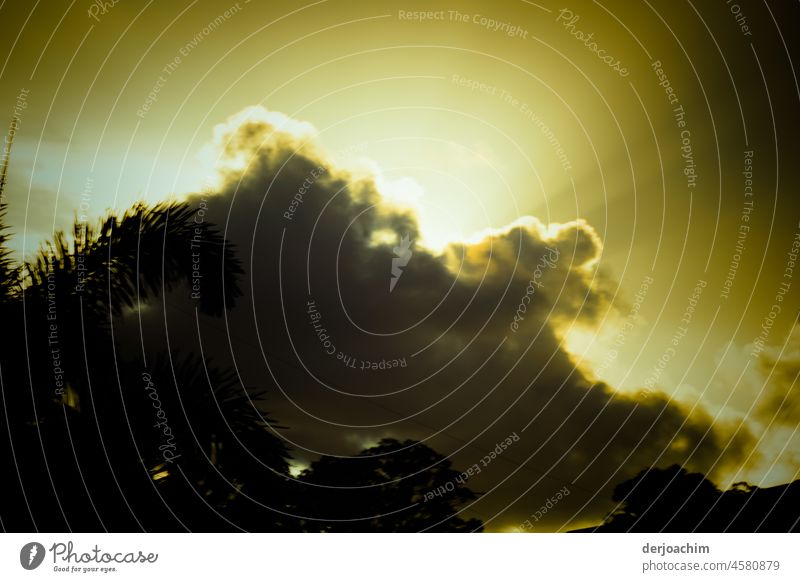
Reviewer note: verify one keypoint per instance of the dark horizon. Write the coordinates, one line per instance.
(508, 268)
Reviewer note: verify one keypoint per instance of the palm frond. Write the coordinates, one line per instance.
(145, 253)
(9, 272)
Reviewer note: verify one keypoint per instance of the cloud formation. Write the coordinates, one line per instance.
(464, 350)
(780, 365)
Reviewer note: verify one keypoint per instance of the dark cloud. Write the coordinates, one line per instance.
(346, 361)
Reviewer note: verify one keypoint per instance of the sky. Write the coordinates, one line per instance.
(632, 163)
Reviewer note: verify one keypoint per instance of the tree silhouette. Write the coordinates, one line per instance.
(389, 487)
(102, 437)
(97, 438)
(232, 471)
(82, 447)
(675, 500)
(657, 495)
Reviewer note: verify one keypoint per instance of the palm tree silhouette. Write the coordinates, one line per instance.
(81, 429)
(100, 435)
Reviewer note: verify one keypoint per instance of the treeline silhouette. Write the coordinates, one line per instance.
(95, 438)
(675, 500)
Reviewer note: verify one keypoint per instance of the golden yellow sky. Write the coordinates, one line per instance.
(475, 114)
